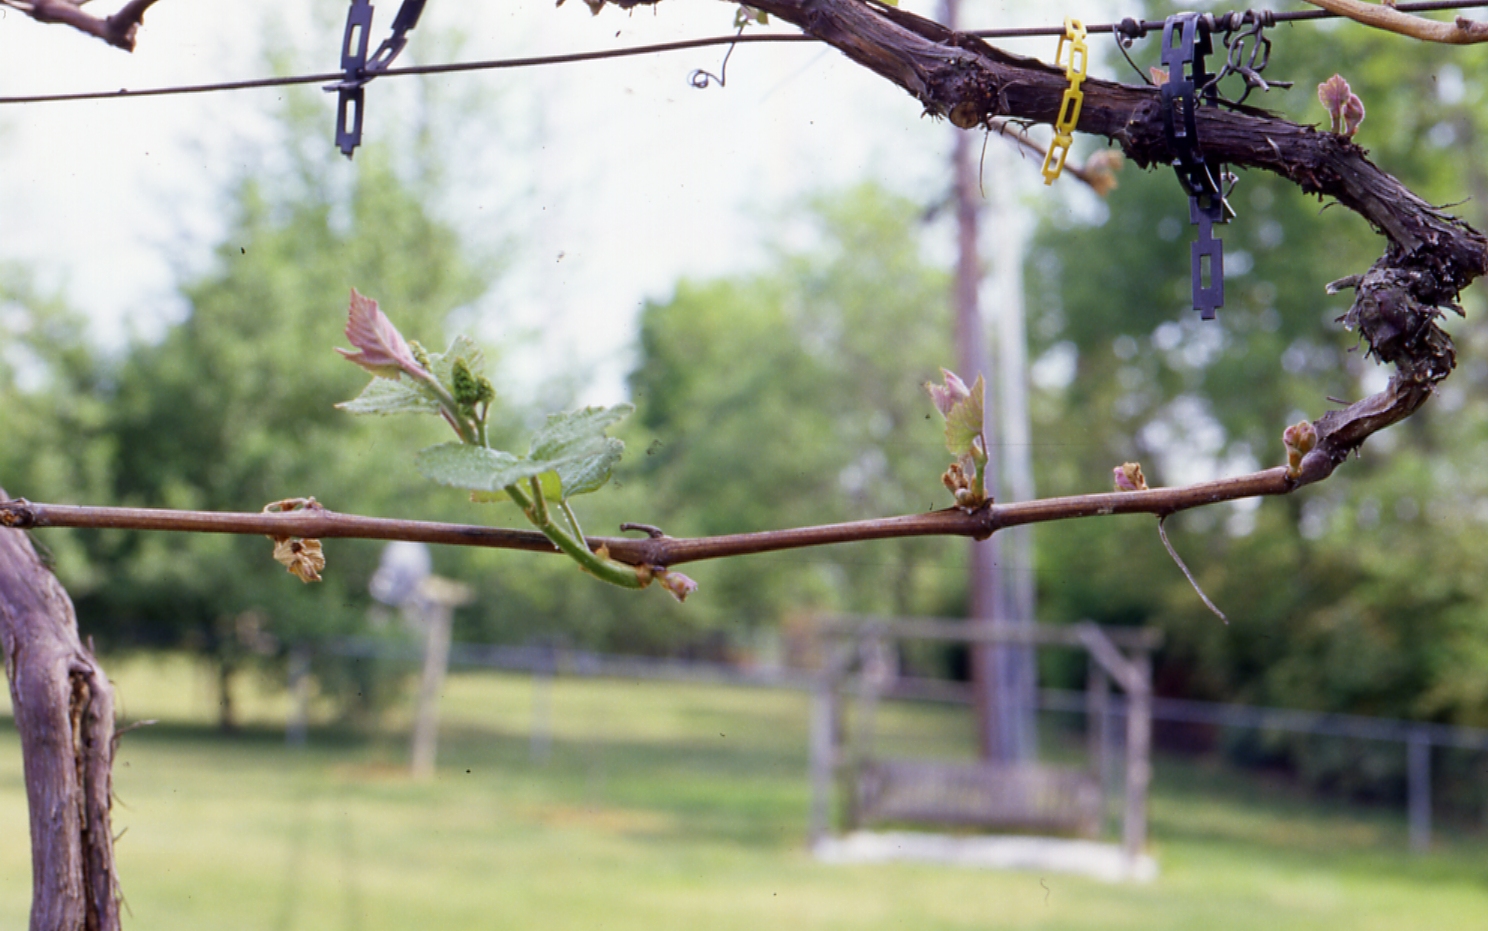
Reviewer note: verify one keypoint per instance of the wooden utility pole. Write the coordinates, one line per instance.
(1010, 228)
(999, 671)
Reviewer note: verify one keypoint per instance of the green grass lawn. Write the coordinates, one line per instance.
(661, 806)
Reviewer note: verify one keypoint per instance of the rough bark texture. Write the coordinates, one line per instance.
(64, 711)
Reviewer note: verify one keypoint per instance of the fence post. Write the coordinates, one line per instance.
(824, 736)
(1418, 788)
(1138, 759)
(436, 618)
(1098, 734)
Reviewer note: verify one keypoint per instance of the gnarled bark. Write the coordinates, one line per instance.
(64, 710)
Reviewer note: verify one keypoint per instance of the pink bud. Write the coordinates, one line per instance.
(1129, 477)
(1345, 109)
(1353, 115)
(947, 396)
(675, 582)
(384, 351)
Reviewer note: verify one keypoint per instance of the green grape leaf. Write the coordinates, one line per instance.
(401, 395)
(576, 433)
(964, 420)
(475, 468)
(570, 456)
(590, 473)
(575, 446)
(552, 489)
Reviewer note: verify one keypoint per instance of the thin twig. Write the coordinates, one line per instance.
(117, 30)
(1162, 532)
(1097, 174)
(1462, 31)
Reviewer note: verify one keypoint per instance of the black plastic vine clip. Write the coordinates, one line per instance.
(1247, 52)
(1187, 39)
(359, 69)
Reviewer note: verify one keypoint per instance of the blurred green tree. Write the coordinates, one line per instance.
(234, 408)
(793, 397)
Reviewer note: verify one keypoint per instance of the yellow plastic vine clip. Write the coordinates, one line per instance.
(1075, 71)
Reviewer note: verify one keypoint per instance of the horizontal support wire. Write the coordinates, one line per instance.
(585, 664)
(329, 77)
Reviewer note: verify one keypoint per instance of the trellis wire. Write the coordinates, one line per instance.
(326, 77)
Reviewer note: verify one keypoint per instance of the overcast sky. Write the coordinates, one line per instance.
(620, 179)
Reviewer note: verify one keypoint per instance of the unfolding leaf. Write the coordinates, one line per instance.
(1345, 109)
(392, 396)
(381, 349)
(948, 395)
(964, 422)
(475, 468)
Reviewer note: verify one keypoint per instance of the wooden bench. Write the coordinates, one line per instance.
(1045, 799)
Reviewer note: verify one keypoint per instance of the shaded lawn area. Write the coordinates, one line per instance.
(661, 806)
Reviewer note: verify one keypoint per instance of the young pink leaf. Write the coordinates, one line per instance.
(1353, 115)
(1345, 109)
(383, 350)
(947, 396)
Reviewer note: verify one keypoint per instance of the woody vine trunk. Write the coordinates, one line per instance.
(64, 711)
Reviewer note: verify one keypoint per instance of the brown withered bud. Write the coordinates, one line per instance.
(303, 558)
(1299, 439)
(1129, 477)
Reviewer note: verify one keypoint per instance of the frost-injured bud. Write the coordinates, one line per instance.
(947, 396)
(1129, 477)
(675, 582)
(303, 558)
(1299, 439)
(953, 480)
(383, 350)
(1345, 109)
